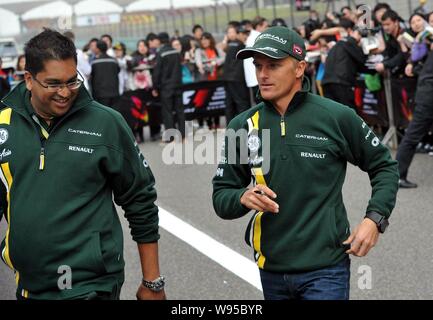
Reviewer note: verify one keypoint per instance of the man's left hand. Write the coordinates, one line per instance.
(144, 293)
(363, 238)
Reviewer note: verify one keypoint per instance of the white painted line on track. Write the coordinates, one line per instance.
(221, 254)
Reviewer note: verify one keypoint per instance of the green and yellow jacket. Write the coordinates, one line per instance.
(58, 185)
(302, 156)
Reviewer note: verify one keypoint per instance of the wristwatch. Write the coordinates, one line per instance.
(381, 222)
(155, 285)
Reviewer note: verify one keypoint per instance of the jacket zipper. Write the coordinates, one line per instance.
(42, 159)
(283, 126)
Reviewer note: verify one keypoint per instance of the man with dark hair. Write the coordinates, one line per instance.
(104, 77)
(167, 78)
(109, 41)
(379, 9)
(66, 157)
(394, 60)
(197, 32)
(344, 61)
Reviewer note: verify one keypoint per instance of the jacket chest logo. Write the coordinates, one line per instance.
(254, 143)
(81, 149)
(5, 153)
(313, 155)
(4, 135)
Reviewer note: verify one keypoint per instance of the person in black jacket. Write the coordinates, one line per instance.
(394, 59)
(343, 63)
(237, 95)
(167, 78)
(104, 77)
(421, 122)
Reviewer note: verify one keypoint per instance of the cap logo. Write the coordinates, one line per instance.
(268, 49)
(297, 49)
(271, 37)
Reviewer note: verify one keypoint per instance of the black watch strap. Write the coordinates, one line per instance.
(380, 220)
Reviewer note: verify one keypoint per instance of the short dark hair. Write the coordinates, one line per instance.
(391, 14)
(380, 6)
(195, 27)
(107, 36)
(234, 23)
(47, 45)
(102, 46)
(164, 37)
(278, 22)
(345, 7)
(346, 23)
(151, 36)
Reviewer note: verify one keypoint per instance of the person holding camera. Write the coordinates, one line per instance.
(342, 65)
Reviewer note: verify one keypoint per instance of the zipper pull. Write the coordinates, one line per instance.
(283, 127)
(42, 159)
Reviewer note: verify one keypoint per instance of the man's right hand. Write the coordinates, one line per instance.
(259, 198)
(155, 93)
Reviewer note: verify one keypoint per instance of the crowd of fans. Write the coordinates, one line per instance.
(340, 47)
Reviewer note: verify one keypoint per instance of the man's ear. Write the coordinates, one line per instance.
(29, 80)
(300, 69)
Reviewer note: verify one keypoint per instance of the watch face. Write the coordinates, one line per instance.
(158, 286)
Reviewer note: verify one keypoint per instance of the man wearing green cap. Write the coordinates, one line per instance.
(298, 148)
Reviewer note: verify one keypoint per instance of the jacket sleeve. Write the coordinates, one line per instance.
(157, 71)
(419, 50)
(221, 57)
(133, 185)
(364, 149)
(198, 58)
(396, 61)
(356, 53)
(230, 181)
(358, 56)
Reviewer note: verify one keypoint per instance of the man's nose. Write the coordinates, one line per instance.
(263, 73)
(65, 93)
